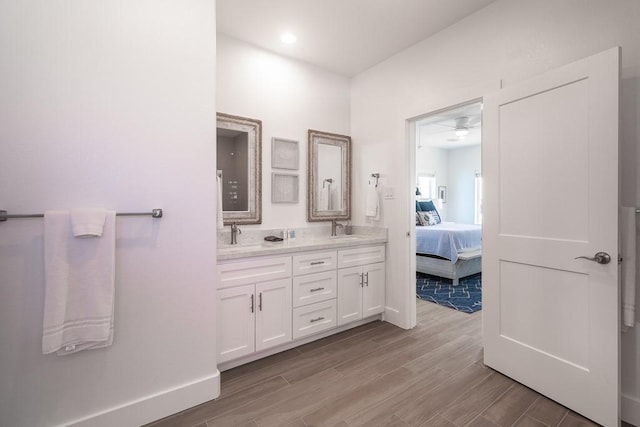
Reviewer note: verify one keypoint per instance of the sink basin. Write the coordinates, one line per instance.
(240, 247)
(345, 237)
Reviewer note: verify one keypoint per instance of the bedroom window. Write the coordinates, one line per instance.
(477, 207)
(427, 186)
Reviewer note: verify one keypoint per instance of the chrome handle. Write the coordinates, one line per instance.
(366, 275)
(252, 303)
(600, 258)
(317, 319)
(260, 301)
(316, 289)
(317, 263)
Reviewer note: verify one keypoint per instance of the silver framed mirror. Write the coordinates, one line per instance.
(329, 177)
(239, 162)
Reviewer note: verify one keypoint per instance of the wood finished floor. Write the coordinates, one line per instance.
(379, 375)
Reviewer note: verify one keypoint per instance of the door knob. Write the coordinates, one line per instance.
(600, 258)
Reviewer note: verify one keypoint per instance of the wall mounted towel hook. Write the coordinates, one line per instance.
(376, 176)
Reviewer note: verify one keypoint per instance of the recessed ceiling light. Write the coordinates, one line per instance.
(287, 38)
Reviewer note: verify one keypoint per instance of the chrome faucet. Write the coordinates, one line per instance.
(334, 227)
(234, 233)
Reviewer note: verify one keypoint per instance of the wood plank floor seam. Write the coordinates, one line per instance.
(524, 414)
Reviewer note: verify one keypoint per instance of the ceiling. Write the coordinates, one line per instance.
(439, 129)
(342, 36)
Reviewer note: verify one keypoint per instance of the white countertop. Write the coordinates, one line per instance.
(264, 248)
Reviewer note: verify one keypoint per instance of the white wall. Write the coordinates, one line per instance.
(433, 160)
(509, 40)
(110, 104)
(454, 169)
(463, 165)
(290, 97)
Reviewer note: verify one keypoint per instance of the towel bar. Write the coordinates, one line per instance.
(155, 213)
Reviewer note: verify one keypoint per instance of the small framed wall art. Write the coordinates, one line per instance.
(442, 193)
(284, 188)
(284, 154)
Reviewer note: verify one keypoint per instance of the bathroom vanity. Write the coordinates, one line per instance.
(276, 296)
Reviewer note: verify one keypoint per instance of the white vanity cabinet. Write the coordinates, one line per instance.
(254, 306)
(267, 304)
(361, 283)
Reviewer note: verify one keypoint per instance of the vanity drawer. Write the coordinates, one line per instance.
(238, 273)
(314, 262)
(314, 318)
(312, 288)
(361, 256)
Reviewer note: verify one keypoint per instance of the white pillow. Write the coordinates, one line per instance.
(426, 218)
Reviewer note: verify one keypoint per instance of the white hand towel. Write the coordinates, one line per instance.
(324, 198)
(219, 214)
(372, 208)
(79, 286)
(628, 252)
(88, 222)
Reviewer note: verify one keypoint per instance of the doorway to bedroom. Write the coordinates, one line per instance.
(448, 206)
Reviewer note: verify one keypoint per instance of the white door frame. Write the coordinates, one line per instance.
(458, 99)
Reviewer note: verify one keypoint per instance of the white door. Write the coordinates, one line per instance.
(236, 322)
(273, 315)
(349, 294)
(373, 289)
(550, 171)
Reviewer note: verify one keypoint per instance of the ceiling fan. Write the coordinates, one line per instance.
(462, 127)
(451, 128)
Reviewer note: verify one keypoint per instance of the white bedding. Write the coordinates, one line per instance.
(447, 239)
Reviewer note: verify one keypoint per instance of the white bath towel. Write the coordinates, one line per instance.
(219, 214)
(79, 286)
(88, 222)
(628, 252)
(372, 209)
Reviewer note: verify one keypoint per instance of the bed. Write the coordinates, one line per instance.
(447, 249)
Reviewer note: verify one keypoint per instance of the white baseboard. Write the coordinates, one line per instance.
(630, 409)
(155, 406)
(394, 317)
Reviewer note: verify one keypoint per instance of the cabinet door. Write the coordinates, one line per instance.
(349, 295)
(374, 289)
(236, 322)
(273, 313)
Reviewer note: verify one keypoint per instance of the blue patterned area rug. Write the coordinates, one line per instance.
(466, 297)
